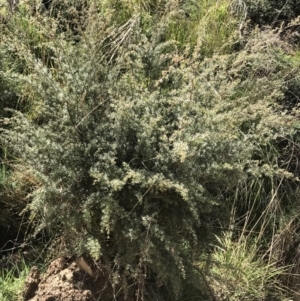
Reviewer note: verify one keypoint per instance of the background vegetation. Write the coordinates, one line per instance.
(160, 137)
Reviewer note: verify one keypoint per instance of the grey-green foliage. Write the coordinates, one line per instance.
(271, 11)
(134, 145)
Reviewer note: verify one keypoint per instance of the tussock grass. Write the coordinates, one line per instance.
(12, 281)
(239, 270)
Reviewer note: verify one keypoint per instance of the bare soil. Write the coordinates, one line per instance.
(64, 281)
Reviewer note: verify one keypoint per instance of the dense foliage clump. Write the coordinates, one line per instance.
(140, 136)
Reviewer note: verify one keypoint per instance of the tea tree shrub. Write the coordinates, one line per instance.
(136, 144)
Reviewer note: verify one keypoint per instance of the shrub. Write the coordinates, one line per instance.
(271, 11)
(134, 146)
